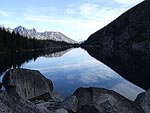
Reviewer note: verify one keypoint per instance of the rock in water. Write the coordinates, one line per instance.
(143, 99)
(99, 100)
(27, 84)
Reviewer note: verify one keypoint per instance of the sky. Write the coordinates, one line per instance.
(77, 19)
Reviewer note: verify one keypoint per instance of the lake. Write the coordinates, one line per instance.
(73, 68)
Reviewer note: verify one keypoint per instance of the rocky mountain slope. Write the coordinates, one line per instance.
(131, 30)
(47, 35)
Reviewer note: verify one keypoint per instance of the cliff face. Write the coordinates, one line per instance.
(130, 30)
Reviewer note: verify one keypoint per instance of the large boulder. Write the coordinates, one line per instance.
(99, 100)
(143, 99)
(27, 84)
(11, 104)
(70, 103)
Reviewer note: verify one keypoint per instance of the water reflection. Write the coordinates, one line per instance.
(132, 65)
(73, 68)
(77, 68)
(16, 60)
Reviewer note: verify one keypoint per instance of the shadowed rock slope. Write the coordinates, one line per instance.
(131, 30)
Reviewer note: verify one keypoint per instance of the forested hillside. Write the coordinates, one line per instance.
(13, 42)
(131, 30)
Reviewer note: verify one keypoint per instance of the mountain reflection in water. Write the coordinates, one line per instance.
(132, 65)
(73, 68)
(15, 60)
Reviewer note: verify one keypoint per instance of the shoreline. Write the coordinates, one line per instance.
(35, 92)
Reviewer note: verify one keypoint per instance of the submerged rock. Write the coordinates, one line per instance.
(27, 84)
(143, 99)
(99, 100)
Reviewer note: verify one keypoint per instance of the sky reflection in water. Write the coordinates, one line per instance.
(76, 69)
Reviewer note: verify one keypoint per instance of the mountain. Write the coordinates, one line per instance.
(47, 35)
(131, 30)
(57, 53)
(14, 42)
(9, 29)
(11, 42)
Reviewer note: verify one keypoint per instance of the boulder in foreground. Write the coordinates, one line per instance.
(27, 84)
(11, 104)
(143, 99)
(99, 100)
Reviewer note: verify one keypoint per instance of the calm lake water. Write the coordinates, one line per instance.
(75, 68)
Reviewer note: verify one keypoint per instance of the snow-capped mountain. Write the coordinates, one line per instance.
(47, 35)
(9, 29)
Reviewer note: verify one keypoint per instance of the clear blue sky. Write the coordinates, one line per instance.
(76, 19)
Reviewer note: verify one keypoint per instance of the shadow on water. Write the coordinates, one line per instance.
(15, 60)
(131, 65)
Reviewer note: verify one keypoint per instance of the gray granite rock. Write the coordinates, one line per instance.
(57, 97)
(143, 99)
(70, 103)
(11, 104)
(60, 111)
(48, 105)
(51, 104)
(27, 84)
(99, 100)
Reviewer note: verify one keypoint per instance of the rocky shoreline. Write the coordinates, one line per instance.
(28, 91)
